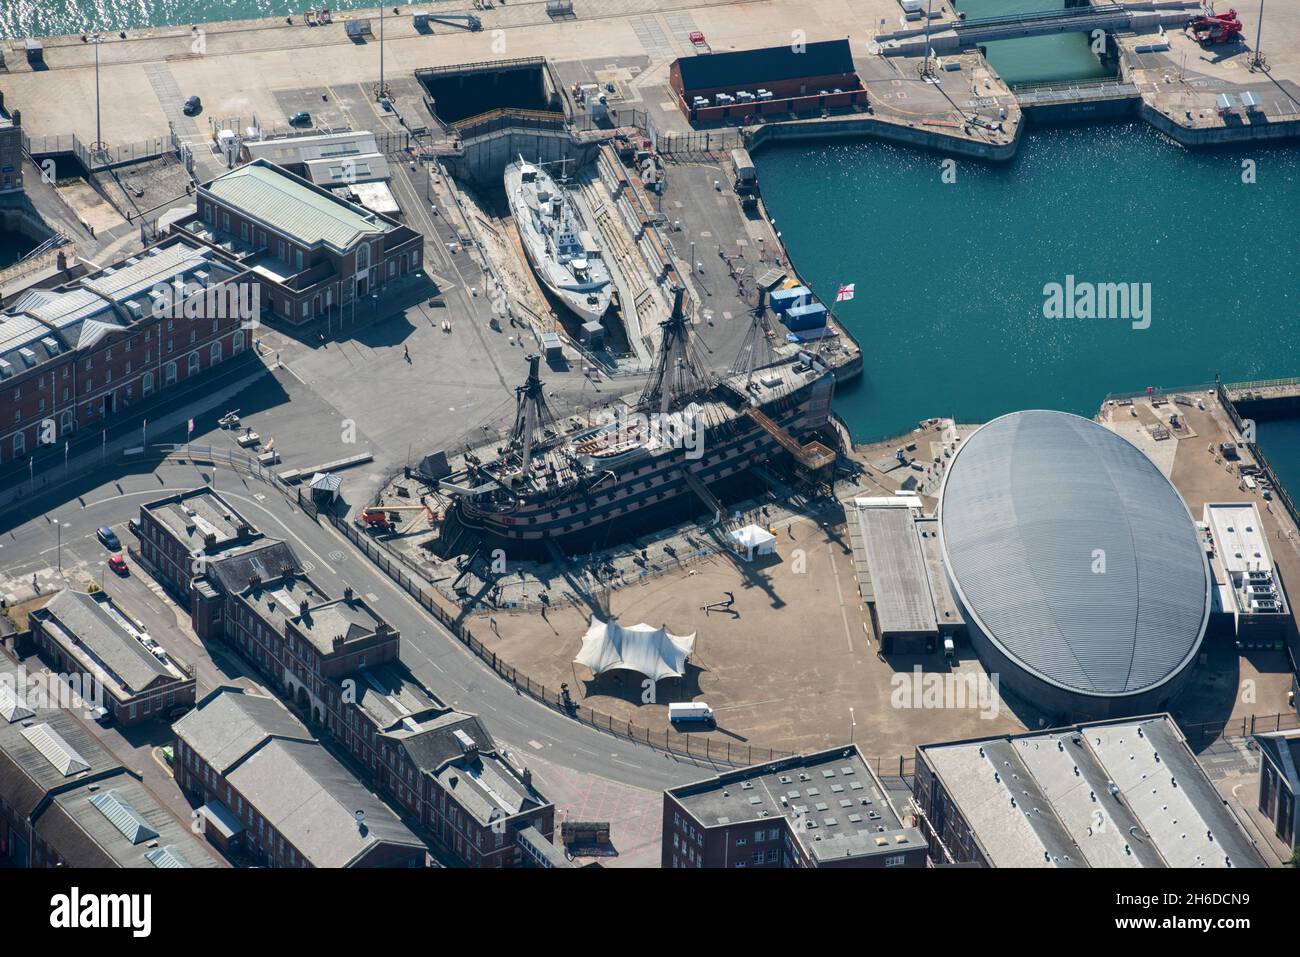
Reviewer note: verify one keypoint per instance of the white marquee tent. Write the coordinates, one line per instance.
(650, 651)
(754, 540)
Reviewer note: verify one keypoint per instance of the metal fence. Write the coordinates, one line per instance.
(701, 747)
(95, 159)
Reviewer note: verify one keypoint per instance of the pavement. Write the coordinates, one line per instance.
(451, 671)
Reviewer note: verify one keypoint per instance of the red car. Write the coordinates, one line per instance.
(118, 564)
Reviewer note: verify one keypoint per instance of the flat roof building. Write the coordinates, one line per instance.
(275, 794)
(1247, 582)
(93, 636)
(827, 809)
(1122, 793)
(905, 595)
(1076, 564)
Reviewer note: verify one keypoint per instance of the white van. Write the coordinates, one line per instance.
(690, 711)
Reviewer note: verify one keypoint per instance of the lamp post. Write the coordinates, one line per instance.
(95, 38)
(853, 724)
(1257, 61)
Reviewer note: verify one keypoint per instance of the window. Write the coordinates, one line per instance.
(192, 364)
(237, 343)
(895, 860)
(169, 373)
(758, 857)
(772, 856)
(20, 444)
(216, 354)
(147, 384)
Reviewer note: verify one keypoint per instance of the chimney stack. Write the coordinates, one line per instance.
(302, 607)
(347, 592)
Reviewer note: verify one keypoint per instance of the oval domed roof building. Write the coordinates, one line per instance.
(1077, 566)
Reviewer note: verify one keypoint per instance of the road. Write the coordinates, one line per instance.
(450, 670)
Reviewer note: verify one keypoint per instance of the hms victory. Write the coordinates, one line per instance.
(551, 482)
(562, 251)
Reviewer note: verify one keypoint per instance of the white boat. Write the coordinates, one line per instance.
(562, 251)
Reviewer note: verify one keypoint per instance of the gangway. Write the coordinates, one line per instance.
(708, 498)
(813, 456)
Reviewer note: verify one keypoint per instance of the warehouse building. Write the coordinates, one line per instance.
(92, 636)
(746, 84)
(827, 809)
(270, 792)
(1124, 793)
(899, 568)
(1076, 565)
(66, 802)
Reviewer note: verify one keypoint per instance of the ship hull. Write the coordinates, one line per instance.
(587, 299)
(613, 512)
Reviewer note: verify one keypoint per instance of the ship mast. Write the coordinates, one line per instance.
(678, 372)
(531, 413)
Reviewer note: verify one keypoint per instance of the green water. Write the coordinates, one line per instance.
(1036, 59)
(1281, 443)
(950, 277)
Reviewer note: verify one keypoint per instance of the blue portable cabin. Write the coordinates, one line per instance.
(810, 316)
(783, 299)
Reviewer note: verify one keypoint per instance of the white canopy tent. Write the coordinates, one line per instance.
(754, 540)
(649, 651)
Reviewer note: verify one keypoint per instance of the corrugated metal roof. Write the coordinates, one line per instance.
(290, 206)
(167, 856)
(1031, 507)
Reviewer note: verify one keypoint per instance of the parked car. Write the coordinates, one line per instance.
(108, 538)
(102, 717)
(300, 119)
(192, 105)
(118, 564)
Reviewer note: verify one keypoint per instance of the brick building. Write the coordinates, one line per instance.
(269, 791)
(66, 802)
(336, 662)
(181, 534)
(75, 356)
(90, 635)
(826, 809)
(724, 87)
(442, 767)
(11, 150)
(311, 250)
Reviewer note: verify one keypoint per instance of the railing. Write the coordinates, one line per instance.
(95, 159)
(395, 567)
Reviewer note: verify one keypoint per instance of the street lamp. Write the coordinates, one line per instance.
(1257, 61)
(98, 145)
(853, 724)
(59, 527)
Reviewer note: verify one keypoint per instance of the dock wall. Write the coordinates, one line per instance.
(872, 128)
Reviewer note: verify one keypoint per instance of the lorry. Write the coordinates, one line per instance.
(746, 184)
(690, 711)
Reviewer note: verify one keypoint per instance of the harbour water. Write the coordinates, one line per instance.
(951, 277)
(1036, 59)
(27, 18)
